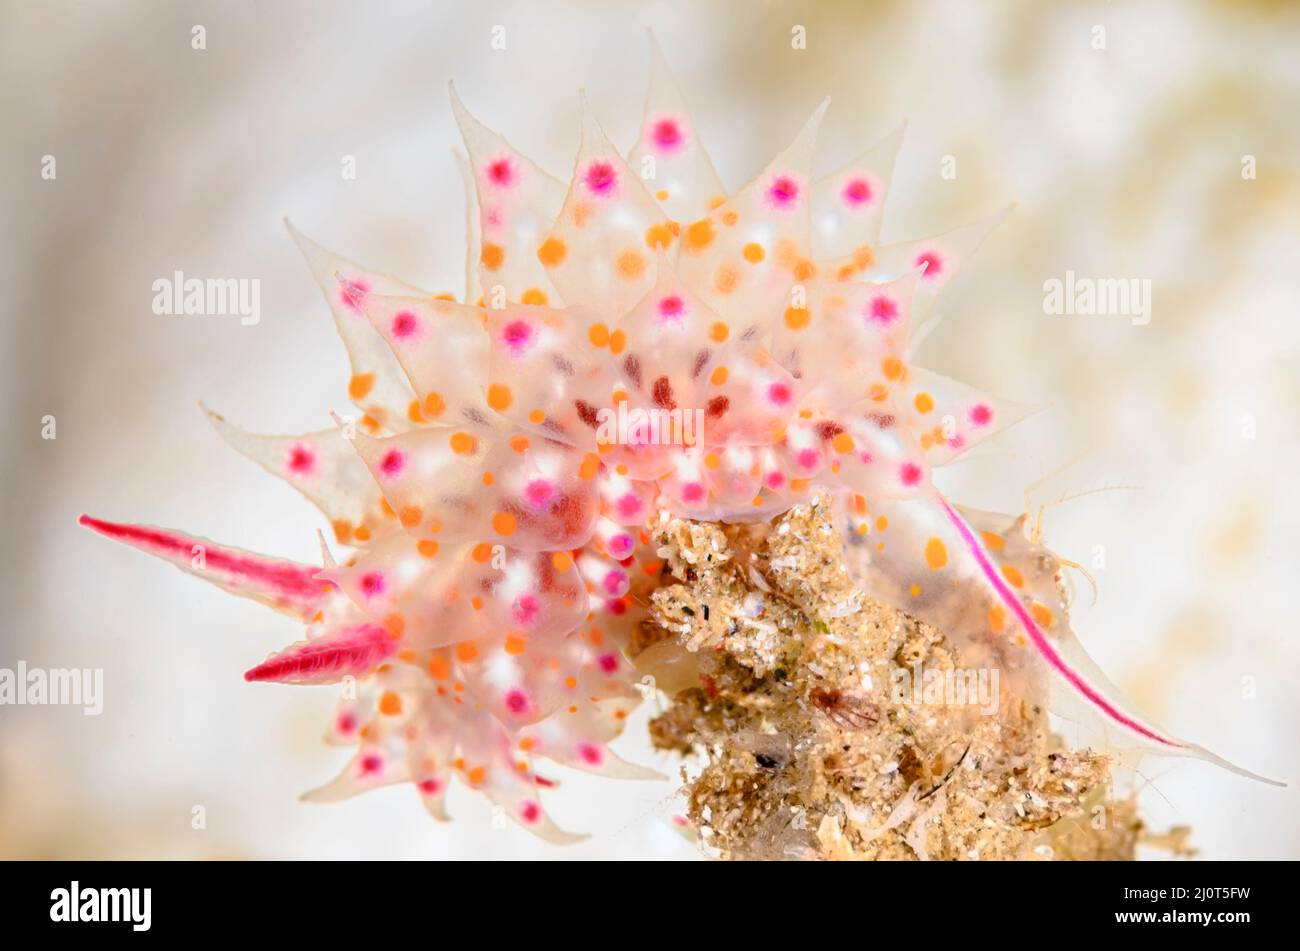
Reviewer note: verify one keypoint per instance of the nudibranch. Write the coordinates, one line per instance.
(639, 341)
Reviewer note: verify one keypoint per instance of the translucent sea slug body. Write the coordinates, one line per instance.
(502, 557)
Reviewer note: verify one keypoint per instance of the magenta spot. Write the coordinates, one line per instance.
(530, 811)
(300, 460)
(620, 546)
(909, 473)
(601, 178)
(608, 662)
(405, 324)
(981, 414)
(932, 263)
(615, 583)
(857, 192)
(352, 291)
(430, 787)
(883, 309)
(775, 480)
(371, 763)
(590, 754)
(501, 172)
(667, 134)
(692, 492)
(779, 394)
(628, 505)
(808, 458)
(372, 584)
(525, 609)
(517, 335)
(517, 702)
(392, 463)
(671, 306)
(783, 192)
(538, 492)
(346, 723)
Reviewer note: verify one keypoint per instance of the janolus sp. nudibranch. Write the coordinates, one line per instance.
(754, 345)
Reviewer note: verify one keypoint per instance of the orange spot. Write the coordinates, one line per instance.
(726, 279)
(362, 533)
(717, 201)
(662, 194)
(882, 523)
(1042, 614)
(504, 524)
(598, 334)
(493, 256)
(427, 548)
(434, 405)
(590, 466)
(463, 444)
(924, 402)
(386, 508)
(719, 332)
(413, 412)
(699, 235)
(561, 561)
(390, 704)
(369, 422)
(799, 485)
(711, 461)
(537, 417)
(527, 743)
(997, 618)
(476, 775)
(515, 645)
(936, 555)
(394, 624)
(466, 652)
(360, 385)
(488, 478)
(552, 252)
(991, 540)
(804, 270)
(535, 296)
(797, 318)
(658, 236)
(878, 392)
(411, 516)
(914, 591)
(438, 667)
(753, 253)
(863, 257)
(719, 376)
(892, 367)
(499, 397)
(617, 341)
(630, 264)
(571, 682)
(482, 552)
(843, 443)
(1013, 576)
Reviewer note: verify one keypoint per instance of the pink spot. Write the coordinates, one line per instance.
(300, 460)
(909, 473)
(628, 505)
(783, 192)
(590, 754)
(692, 492)
(981, 414)
(525, 609)
(667, 134)
(956, 442)
(857, 192)
(371, 763)
(430, 787)
(530, 811)
(346, 723)
(775, 480)
(493, 218)
(883, 309)
(608, 662)
(620, 546)
(615, 583)
(392, 463)
(405, 324)
(808, 458)
(372, 584)
(601, 178)
(671, 307)
(778, 393)
(517, 335)
(932, 263)
(517, 702)
(538, 492)
(501, 172)
(352, 291)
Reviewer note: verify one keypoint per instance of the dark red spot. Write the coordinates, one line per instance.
(662, 393)
(829, 429)
(716, 407)
(587, 413)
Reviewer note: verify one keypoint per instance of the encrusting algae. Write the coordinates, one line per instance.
(797, 689)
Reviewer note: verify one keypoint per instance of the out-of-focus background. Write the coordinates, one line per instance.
(1155, 140)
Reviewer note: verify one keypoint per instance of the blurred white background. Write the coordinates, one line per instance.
(1124, 162)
